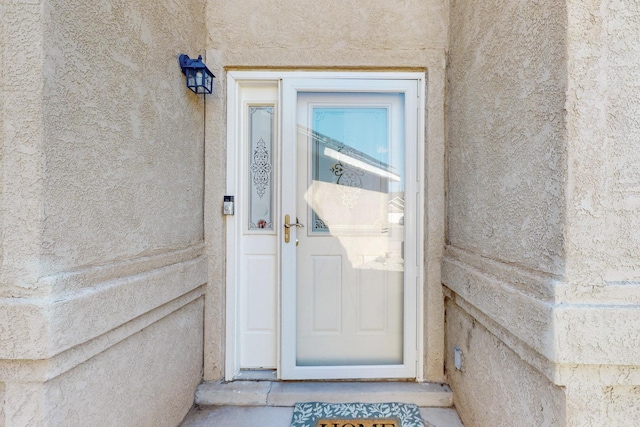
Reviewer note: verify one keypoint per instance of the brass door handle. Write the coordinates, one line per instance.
(287, 227)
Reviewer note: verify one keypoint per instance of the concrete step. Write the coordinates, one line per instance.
(285, 394)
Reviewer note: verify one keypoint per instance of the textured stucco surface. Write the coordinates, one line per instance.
(351, 35)
(603, 128)
(485, 388)
(2, 399)
(505, 119)
(159, 367)
(3, 94)
(102, 212)
(622, 400)
(22, 152)
(44, 328)
(543, 202)
(124, 138)
(325, 34)
(602, 330)
(146, 380)
(103, 155)
(623, 126)
(499, 366)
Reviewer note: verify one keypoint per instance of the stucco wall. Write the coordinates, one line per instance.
(105, 149)
(604, 165)
(123, 137)
(2, 399)
(147, 379)
(351, 35)
(158, 367)
(102, 208)
(506, 131)
(354, 33)
(22, 144)
(490, 373)
(542, 207)
(3, 92)
(622, 63)
(506, 153)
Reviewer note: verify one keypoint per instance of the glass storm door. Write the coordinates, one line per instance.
(349, 187)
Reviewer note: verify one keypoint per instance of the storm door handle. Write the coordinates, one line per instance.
(287, 227)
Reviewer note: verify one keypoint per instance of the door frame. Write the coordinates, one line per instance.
(232, 224)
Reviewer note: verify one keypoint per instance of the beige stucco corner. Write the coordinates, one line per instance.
(541, 267)
(106, 385)
(102, 252)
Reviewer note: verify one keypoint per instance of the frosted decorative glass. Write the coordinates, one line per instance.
(261, 168)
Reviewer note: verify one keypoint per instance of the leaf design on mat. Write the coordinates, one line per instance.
(327, 411)
(306, 414)
(319, 409)
(302, 416)
(385, 410)
(361, 408)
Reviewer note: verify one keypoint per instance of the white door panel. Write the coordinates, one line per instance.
(256, 213)
(352, 310)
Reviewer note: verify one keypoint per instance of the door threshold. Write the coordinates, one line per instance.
(285, 393)
(256, 375)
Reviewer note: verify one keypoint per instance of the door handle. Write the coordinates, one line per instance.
(287, 227)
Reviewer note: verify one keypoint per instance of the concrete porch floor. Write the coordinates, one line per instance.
(270, 403)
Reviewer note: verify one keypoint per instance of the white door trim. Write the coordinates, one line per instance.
(234, 156)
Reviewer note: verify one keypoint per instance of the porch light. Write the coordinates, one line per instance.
(198, 77)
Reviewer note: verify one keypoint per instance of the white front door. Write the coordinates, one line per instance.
(349, 273)
(341, 277)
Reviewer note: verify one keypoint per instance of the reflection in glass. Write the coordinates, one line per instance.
(350, 264)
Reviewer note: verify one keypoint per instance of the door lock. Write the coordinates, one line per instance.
(287, 228)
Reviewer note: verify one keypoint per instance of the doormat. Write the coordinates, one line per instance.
(316, 414)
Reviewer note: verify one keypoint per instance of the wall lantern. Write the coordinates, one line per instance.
(198, 77)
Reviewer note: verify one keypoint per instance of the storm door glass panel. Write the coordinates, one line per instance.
(350, 266)
(260, 168)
